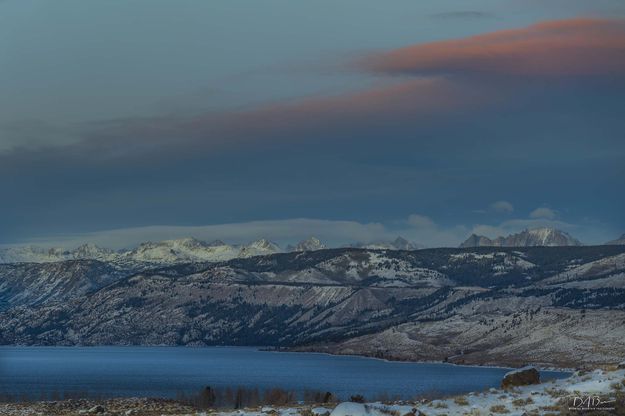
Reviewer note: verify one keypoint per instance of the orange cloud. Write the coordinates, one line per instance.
(554, 48)
(414, 99)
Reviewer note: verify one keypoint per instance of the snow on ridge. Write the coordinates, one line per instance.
(502, 262)
(599, 268)
(534, 237)
(166, 251)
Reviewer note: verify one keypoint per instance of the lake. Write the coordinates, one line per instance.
(167, 371)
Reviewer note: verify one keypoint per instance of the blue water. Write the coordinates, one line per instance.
(166, 371)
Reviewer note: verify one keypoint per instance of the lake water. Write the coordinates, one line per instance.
(166, 371)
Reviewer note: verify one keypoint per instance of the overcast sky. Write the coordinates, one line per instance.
(352, 120)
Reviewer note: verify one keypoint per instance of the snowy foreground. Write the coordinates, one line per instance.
(576, 395)
(602, 389)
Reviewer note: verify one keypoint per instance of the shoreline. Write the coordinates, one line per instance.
(390, 360)
(543, 398)
(273, 349)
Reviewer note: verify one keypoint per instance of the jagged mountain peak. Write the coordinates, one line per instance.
(540, 236)
(265, 244)
(545, 236)
(475, 240)
(181, 250)
(259, 247)
(400, 243)
(91, 251)
(188, 249)
(310, 244)
(190, 242)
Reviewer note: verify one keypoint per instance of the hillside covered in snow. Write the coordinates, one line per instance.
(555, 306)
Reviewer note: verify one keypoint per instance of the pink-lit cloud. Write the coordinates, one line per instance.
(416, 99)
(574, 47)
(430, 92)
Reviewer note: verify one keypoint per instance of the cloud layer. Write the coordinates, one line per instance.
(416, 227)
(502, 206)
(553, 48)
(532, 114)
(543, 212)
(441, 84)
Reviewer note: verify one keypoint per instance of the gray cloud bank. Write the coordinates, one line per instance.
(416, 227)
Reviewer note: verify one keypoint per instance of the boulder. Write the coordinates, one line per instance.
(97, 409)
(521, 377)
(621, 365)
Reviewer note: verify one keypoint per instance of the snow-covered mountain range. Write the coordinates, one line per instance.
(553, 306)
(186, 250)
(163, 252)
(310, 244)
(536, 237)
(182, 250)
(399, 243)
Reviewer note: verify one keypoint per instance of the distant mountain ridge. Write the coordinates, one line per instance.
(183, 250)
(162, 252)
(310, 244)
(536, 237)
(187, 250)
(35, 254)
(618, 242)
(399, 243)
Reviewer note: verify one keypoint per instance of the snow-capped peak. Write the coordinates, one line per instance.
(542, 236)
(310, 244)
(91, 251)
(262, 243)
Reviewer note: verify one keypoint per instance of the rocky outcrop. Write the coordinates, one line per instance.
(522, 377)
(475, 240)
(537, 237)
